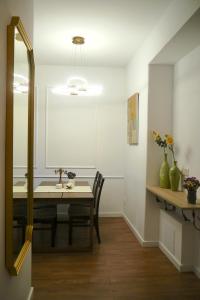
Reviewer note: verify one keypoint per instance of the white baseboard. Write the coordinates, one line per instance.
(179, 266)
(30, 295)
(110, 214)
(138, 236)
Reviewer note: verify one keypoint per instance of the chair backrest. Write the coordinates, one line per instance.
(99, 178)
(98, 194)
(44, 211)
(95, 182)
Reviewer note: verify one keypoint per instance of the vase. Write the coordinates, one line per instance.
(71, 182)
(174, 176)
(164, 173)
(192, 196)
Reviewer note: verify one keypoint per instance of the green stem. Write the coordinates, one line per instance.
(172, 150)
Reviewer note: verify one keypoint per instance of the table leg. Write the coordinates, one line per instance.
(91, 223)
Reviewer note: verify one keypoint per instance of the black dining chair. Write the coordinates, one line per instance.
(79, 216)
(95, 181)
(45, 215)
(20, 217)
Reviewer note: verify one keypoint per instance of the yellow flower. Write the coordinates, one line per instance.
(169, 140)
(156, 135)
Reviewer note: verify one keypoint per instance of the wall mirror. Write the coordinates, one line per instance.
(19, 145)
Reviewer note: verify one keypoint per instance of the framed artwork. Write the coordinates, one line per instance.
(133, 119)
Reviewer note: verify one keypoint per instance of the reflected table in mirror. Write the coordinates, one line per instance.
(19, 216)
(47, 196)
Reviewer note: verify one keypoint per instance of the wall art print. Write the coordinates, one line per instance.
(133, 119)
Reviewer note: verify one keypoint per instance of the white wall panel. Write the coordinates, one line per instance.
(83, 134)
(71, 133)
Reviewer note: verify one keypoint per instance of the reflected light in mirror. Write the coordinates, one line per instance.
(20, 84)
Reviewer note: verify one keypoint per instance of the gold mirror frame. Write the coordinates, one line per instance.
(12, 265)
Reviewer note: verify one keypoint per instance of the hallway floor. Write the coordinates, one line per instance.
(118, 269)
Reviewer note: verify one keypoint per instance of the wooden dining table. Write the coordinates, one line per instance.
(46, 192)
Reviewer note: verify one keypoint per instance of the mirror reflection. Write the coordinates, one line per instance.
(20, 142)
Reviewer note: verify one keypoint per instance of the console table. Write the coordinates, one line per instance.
(177, 201)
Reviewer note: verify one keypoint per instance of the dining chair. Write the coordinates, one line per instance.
(79, 216)
(45, 215)
(95, 181)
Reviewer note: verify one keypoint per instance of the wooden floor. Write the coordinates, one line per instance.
(118, 269)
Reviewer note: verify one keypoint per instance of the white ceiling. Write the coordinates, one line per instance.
(113, 29)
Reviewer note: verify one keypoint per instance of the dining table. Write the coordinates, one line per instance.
(48, 193)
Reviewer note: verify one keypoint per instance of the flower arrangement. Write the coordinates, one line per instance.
(165, 142)
(170, 143)
(191, 183)
(70, 175)
(161, 142)
(168, 177)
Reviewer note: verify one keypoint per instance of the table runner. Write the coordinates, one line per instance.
(53, 189)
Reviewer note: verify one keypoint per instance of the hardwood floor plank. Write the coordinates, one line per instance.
(118, 269)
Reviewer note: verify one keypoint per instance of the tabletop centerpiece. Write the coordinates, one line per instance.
(71, 176)
(191, 184)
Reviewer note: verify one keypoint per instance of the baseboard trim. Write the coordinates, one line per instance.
(30, 295)
(110, 214)
(138, 236)
(179, 266)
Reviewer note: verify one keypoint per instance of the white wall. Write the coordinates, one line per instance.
(160, 98)
(10, 287)
(137, 81)
(83, 134)
(186, 110)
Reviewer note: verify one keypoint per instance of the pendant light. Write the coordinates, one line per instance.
(78, 86)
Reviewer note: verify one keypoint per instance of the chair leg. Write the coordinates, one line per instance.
(96, 225)
(23, 233)
(70, 232)
(53, 233)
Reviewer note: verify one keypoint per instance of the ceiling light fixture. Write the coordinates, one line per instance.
(18, 37)
(78, 86)
(78, 40)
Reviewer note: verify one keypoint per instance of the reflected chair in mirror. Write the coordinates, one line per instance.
(20, 215)
(19, 218)
(79, 215)
(45, 218)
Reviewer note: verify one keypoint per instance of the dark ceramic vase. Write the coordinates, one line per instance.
(192, 196)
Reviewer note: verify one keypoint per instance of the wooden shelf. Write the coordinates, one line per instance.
(177, 199)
